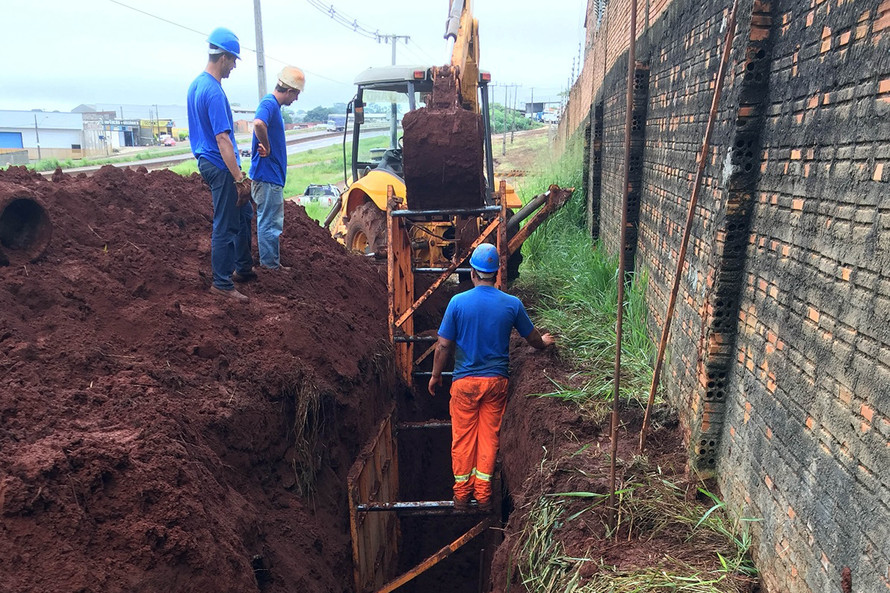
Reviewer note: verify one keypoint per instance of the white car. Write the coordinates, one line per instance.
(325, 194)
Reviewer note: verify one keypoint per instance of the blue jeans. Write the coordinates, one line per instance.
(269, 200)
(230, 240)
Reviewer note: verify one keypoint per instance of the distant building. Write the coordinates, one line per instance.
(43, 134)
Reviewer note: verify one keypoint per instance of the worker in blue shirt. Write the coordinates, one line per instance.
(212, 138)
(268, 165)
(476, 327)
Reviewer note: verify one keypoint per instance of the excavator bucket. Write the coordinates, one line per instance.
(443, 150)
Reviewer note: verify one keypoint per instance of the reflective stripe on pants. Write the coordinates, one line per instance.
(477, 408)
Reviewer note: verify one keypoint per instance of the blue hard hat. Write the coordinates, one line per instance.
(226, 41)
(485, 258)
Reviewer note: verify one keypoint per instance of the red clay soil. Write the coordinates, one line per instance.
(147, 427)
(443, 158)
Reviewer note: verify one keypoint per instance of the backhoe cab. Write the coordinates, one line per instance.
(386, 97)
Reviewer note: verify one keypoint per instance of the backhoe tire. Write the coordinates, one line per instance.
(366, 230)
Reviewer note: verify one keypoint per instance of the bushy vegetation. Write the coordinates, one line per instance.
(513, 119)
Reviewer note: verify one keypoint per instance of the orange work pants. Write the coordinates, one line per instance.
(477, 407)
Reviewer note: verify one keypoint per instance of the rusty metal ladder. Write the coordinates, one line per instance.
(373, 480)
(373, 486)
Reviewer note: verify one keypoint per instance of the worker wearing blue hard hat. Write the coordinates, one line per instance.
(476, 328)
(212, 138)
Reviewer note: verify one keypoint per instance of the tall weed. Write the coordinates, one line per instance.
(575, 285)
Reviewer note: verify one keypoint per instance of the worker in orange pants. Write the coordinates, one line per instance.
(477, 407)
(476, 327)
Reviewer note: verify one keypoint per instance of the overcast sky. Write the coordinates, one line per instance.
(61, 53)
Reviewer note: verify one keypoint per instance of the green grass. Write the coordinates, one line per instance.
(571, 285)
(574, 283)
(53, 164)
(707, 555)
(317, 212)
(317, 165)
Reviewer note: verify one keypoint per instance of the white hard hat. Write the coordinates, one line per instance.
(292, 77)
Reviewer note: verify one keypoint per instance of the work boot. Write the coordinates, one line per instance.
(277, 269)
(230, 294)
(486, 506)
(461, 505)
(243, 276)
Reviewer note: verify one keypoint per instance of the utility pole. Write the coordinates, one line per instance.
(37, 133)
(157, 130)
(393, 108)
(394, 39)
(260, 56)
(504, 146)
(515, 106)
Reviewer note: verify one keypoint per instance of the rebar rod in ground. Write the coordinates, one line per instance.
(436, 558)
(693, 200)
(622, 259)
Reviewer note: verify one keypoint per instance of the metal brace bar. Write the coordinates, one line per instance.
(448, 271)
(436, 558)
(413, 425)
(447, 213)
(415, 339)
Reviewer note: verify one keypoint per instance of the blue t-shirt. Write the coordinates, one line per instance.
(271, 168)
(480, 321)
(209, 115)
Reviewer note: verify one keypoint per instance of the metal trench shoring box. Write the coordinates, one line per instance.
(374, 477)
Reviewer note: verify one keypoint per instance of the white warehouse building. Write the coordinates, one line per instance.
(43, 134)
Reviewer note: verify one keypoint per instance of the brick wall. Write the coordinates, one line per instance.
(809, 426)
(779, 357)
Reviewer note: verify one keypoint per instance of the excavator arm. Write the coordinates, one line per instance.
(463, 30)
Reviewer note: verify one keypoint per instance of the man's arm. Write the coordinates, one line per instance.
(443, 351)
(262, 136)
(539, 340)
(227, 150)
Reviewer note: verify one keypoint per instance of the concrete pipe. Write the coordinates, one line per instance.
(25, 227)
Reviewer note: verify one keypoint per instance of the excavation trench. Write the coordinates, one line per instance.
(155, 437)
(168, 440)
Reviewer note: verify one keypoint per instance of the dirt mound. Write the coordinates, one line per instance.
(154, 437)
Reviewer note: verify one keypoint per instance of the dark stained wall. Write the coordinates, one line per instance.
(779, 357)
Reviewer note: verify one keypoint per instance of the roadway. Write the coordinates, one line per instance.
(295, 144)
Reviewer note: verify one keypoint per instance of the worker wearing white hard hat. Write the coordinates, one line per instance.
(268, 165)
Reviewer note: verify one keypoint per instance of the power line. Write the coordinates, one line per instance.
(154, 16)
(205, 34)
(421, 59)
(347, 21)
(353, 25)
(426, 56)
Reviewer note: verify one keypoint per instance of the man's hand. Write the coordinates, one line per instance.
(262, 151)
(434, 382)
(243, 188)
(540, 341)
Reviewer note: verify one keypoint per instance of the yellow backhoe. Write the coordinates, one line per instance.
(423, 190)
